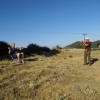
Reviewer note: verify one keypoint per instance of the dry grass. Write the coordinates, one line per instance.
(59, 77)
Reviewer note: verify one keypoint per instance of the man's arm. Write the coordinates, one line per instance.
(85, 43)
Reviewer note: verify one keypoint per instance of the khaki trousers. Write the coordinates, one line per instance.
(87, 55)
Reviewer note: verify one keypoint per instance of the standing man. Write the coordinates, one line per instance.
(87, 51)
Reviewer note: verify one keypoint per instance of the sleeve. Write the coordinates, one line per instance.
(89, 44)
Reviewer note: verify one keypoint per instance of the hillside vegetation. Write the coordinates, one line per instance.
(94, 44)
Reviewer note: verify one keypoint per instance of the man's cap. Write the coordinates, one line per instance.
(87, 38)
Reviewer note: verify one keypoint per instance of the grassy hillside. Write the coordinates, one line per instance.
(59, 77)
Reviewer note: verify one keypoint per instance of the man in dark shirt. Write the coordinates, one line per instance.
(87, 51)
(12, 50)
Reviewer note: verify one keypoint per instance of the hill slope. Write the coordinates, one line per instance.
(94, 44)
(73, 45)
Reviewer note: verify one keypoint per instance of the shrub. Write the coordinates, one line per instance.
(34, 48)
(3, 48)
(58, 47)
(45, 49)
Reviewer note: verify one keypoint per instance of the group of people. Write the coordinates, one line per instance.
(16, 53)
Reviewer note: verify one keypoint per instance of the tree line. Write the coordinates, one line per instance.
(31, 48)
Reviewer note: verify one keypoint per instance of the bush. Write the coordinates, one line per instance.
(3, 48)
(45, 49)
(58, 47)
(34, 48)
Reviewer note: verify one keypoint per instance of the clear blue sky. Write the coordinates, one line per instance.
(49, 22)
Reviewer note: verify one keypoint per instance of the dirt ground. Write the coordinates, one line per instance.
(59, 77)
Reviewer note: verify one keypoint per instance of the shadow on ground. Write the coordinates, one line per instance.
(33, 59)
(94, 60)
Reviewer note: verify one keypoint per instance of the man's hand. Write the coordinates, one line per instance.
(9, 48)
(82, 41)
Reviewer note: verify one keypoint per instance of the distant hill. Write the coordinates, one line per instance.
(73, 45)
(94, 44)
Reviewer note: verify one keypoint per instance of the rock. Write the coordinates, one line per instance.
(35, 86)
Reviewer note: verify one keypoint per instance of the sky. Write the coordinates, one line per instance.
(49, 22)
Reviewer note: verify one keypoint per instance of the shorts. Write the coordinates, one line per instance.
(14, 56)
